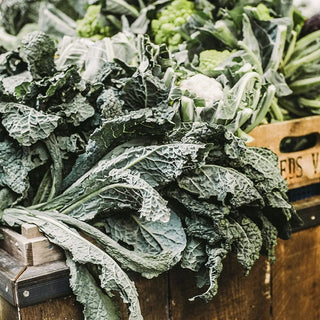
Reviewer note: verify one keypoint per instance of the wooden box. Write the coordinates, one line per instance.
(299, 168)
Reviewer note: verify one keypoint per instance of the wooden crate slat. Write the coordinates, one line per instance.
(30, 247)
(40, 283)
(300, 168)
(309, 211)
(30, 231)
(296, 277)
(239, 297)
(7, 310)
(10, 269)
(17, 246)
(153, 297)
(65, 308)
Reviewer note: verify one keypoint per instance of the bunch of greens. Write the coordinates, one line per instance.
(247, 62)
(110, 159)
(247, 46)
(302, 74)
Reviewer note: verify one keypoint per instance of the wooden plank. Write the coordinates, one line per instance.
(30, 231)
(153, 297)
(65, 308)
(17, 246)
(239, 297)
(7, 310)
(40, 283)
(10, 270)
(296, 277)
(309, 211)
(29, 249)
(43, 251)
(299, 168)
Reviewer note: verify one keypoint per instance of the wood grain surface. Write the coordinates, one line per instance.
(153, 297)
(239, 297)
(296, 277)
(56, 309)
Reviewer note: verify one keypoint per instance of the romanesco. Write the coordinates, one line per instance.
(165, 27)
(109, 104)
(209, 59)
(92, 25)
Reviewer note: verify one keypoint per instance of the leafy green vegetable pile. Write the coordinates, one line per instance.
(133, 143)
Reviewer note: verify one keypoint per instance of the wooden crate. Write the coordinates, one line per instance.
(34, 279)
(300, 168)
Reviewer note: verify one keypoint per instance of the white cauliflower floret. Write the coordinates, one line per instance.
(203, 87)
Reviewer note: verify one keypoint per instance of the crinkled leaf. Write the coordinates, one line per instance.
(224, 184)
(71, 144)
(160, 164)
(148, 265)
(214, 268)
(214, 211)
(56, 89)
(76, 111)
(106, 191)
(269, 235)
(26, 124)
(143, 90)
(204, 229)
(111, 276)
(148, 123)
(97, 305)
(13, 172)
(263, 171)
(148, 236)
(7, 198)
(249, 244)
(194, 255)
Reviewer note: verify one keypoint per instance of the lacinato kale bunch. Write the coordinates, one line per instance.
(108, 156)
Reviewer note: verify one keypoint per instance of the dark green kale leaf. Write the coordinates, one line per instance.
(7, 199)
(62, 87)
(143, 90)
(89, 294)
(37, 50)
(214, 268)
(156, 122)
(16, 13)
(215, 211)
(26, 124)
(106, 190)
(75, 111)
(224, 184)
(13, 173)
(11, 63)
(194, 255)
(249, 243)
